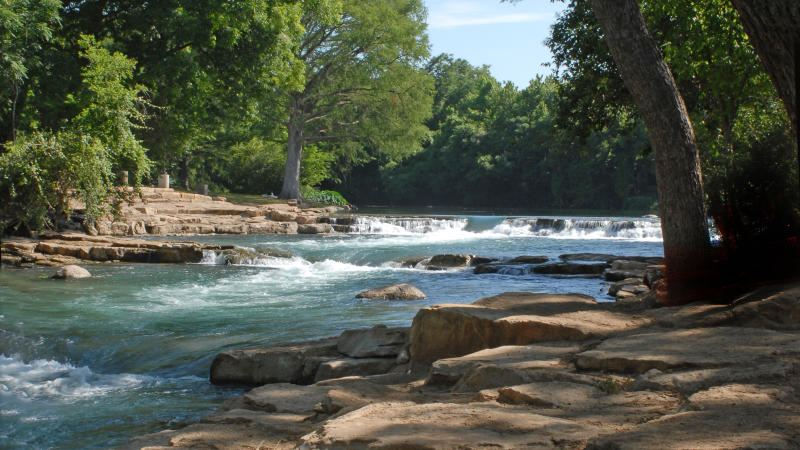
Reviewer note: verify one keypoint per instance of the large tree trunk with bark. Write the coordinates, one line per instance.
(294, 155)
(774, 30)
(680, 190)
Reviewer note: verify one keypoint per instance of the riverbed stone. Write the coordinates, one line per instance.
(402, 291)
(442, 425)
(513, 318)
(345, 367)
(552, 356)
(730, 416)
(277, 364)
(286, 398)
(378, 341)
(776, 307)
(549, 394)
(711, 347)
(447, 261)
(314, 228)
(71, 272)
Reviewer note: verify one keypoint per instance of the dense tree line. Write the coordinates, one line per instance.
(286, 96)
(492, 144)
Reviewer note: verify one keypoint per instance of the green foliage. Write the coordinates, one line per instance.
(496, 146)
(256, 166)
(24, 26)
(44, 170)
(323, 196)
(363, 94)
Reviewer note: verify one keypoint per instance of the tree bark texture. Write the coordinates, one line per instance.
(773, 27)
(680, 190)
(294, 155)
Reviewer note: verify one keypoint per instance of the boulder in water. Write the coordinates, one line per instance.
(393, 292)
(410, 261)
(442, 262)
(525, 259)
(71, 272)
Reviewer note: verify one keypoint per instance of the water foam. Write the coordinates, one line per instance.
(53, 379)
(567, 228)
(456, 228)
(389, 225)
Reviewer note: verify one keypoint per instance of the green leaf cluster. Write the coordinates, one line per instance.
(44, 173)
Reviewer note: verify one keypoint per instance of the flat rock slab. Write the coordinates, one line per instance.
(286, 398)
(378, 341)
(690, 381)
(346, 367)
(235, 435)
(589, 404)
(450, 370)
(327, 397)
(668, 350)
(775, 307)
(515, 318)
(730, 416)
(549, 395)
(447, 425)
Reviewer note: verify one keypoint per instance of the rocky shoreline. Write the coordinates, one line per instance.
(164, 212)
(524, 370)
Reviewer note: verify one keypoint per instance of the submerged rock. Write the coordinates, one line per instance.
(393, 292)
(568, 268)
(71, 272)
(528, 260)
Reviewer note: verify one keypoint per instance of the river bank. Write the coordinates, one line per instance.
(522, 369)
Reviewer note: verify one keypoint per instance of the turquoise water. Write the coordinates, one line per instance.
(91, 363)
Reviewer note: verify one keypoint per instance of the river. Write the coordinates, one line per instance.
(91, 363)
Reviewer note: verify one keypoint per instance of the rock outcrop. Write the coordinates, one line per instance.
(393, 292)
(514, 318)
(368, 351)
(72, 248)
(699, 376)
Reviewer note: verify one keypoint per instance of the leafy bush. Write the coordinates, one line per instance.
(323, 196)
(44, 170)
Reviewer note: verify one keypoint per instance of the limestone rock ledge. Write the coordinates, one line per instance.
(700, 376)
(163, 211)
(54, 249)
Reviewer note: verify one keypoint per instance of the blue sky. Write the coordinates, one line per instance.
(506, 36)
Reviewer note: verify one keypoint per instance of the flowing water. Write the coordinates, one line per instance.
(94, 362)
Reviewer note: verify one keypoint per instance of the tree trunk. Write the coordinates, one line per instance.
(185, 171)
(294, 155)
(773, 27)
(14, 113)
(680, 189)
